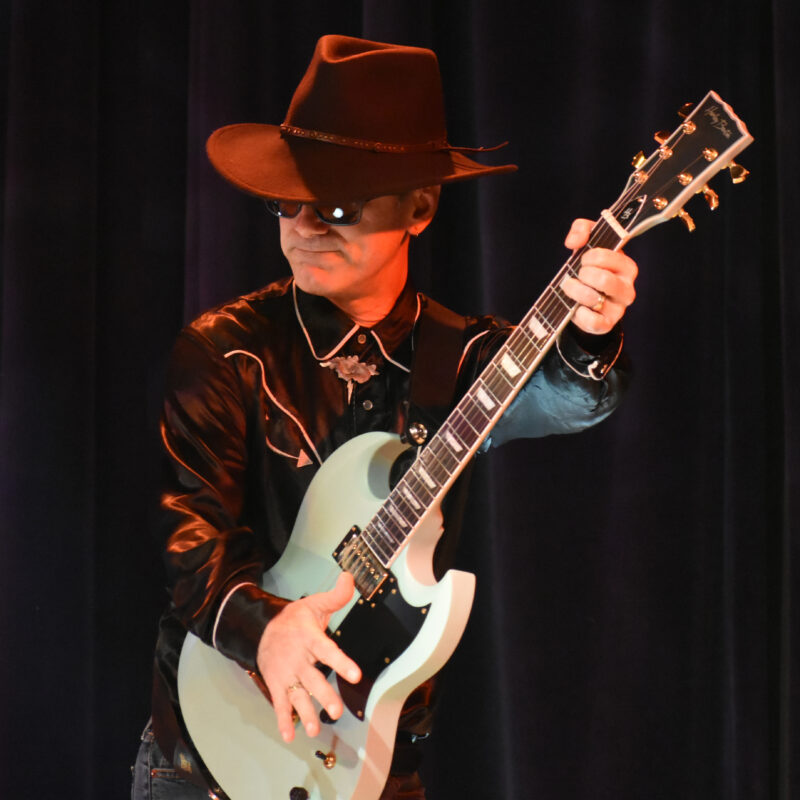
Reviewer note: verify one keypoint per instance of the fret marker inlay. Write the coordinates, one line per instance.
(453, 442)
(508, 365)
(427, 478)
(539, 331)
(486, 401)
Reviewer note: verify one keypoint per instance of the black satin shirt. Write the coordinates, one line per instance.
(259, 393)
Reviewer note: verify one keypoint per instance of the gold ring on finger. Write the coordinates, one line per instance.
(601, 301)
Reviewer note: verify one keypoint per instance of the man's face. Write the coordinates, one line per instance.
(351, 263)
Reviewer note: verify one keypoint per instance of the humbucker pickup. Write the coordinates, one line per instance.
(356, 557)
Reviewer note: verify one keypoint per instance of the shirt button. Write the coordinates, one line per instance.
(367, 405)
(361, 338)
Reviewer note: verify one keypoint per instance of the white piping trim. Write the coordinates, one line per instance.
(279, 451)
(308, 336)
(275, 400)
(222, 606)
(380, 343)
(467, 347)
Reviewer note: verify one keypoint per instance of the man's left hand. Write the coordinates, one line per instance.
(604, 286)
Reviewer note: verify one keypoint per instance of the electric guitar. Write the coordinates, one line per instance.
(402, 625)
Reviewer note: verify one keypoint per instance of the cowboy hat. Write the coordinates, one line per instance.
(367, 119)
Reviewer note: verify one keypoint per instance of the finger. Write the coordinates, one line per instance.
(283, 712)
(600, 280)
(327, 652)
(327, 602)
(322, 691)
(580, 292)
(613, 260)
(300, 698)
(578, 233)
(595, 322)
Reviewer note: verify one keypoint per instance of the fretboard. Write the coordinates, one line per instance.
(439, 463)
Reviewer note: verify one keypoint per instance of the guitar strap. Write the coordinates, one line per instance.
(434, 370)
(434, 374)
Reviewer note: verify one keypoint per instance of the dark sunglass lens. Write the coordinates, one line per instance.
(342, 214)
(283, 208)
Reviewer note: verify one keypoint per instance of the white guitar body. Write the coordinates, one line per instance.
(231, 722)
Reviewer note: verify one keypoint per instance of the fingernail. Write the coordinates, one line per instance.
(287, 737)
(310, 729)
(352, 675)
(333, 711)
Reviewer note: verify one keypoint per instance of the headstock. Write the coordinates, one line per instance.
(683, 164)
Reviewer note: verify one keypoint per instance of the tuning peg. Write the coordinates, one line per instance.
(712, 198)
(661, 136)
(685, 110)
(638, 160)
(738, 172)
(687, 220)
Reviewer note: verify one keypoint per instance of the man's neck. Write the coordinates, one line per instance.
(369, 310)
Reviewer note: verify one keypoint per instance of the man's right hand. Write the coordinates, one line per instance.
(292, 643)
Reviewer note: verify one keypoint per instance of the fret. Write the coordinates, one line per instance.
(467, 432)
(484, 398)
(525, 347)
(510, 366)
(426, 477)
(403, 508)
(558, 294)
(474, 410)
(408, 495)
(498, 382)
(377, 542)
(435, 457)
(386, 526)
(447, 457)
(539, 327)
(394, 511)
(418, 487)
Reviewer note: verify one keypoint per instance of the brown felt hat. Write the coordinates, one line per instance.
(366, 120)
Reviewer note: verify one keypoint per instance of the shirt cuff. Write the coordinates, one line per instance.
(587, 355)
(244, 613)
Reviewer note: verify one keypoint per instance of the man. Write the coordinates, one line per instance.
(263, 389)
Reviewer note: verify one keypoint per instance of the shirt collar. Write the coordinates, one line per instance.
(327, 328)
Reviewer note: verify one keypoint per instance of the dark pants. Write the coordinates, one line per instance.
(154, 778)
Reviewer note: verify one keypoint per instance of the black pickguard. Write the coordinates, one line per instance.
(374, 634)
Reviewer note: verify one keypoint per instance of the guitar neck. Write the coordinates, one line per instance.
(447, 453)
(656, 191)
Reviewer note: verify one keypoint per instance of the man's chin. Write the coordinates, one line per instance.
(314, 280)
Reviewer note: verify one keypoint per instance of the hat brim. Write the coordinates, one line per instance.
(259, 160)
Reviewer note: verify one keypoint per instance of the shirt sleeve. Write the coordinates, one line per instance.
(580, 381)
(213, 561)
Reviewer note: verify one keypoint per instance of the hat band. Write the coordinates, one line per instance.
(364, 144)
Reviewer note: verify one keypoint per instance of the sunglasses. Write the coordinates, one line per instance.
(331, 214)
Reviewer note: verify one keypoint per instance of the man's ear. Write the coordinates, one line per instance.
(425, 202)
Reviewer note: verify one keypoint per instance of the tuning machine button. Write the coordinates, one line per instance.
(687, 219)
(685, 110)
(738, 172)
(638, 160)
(661, 136)
(712, 198)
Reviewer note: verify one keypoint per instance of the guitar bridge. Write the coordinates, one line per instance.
(355, 556)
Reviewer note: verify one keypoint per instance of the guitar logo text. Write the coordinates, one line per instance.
(719, 122)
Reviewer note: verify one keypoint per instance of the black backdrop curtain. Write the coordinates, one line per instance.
(636, 632)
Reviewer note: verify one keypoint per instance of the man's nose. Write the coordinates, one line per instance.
(307, 223)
